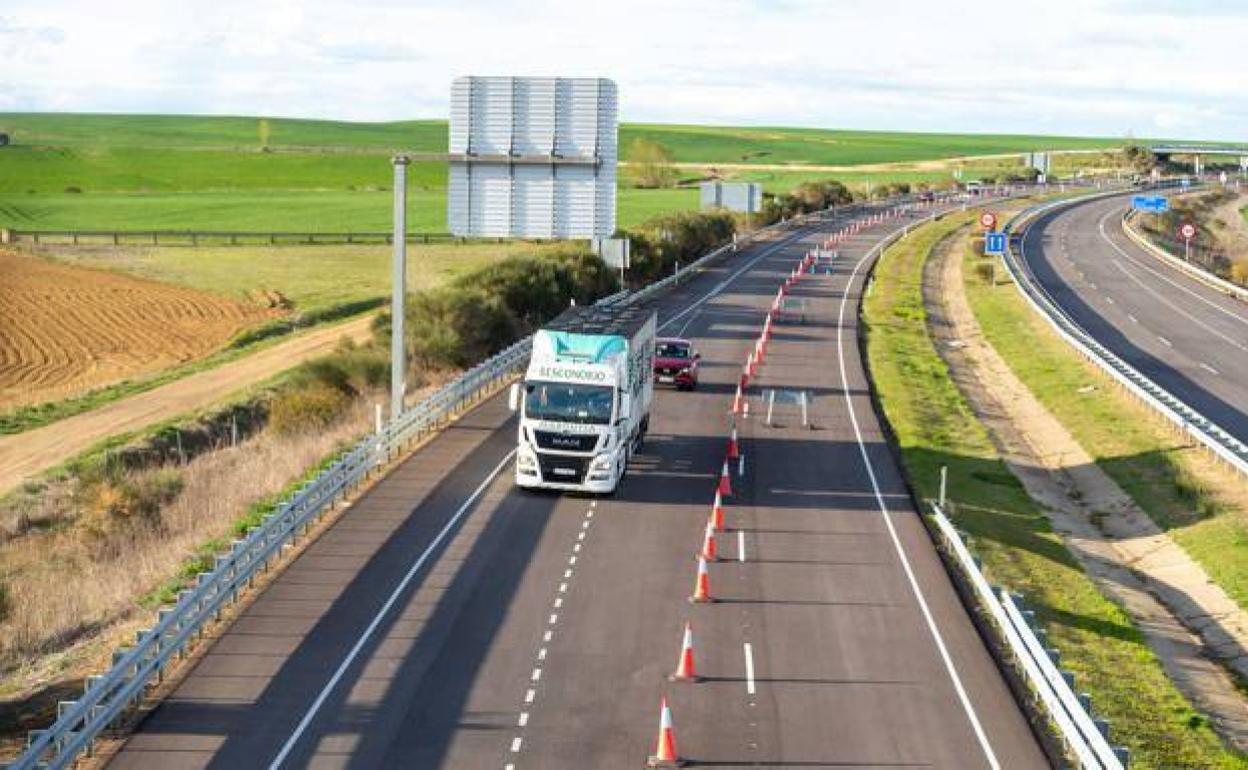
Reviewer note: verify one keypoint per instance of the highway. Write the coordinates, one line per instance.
(448, 620)
(1188, 338)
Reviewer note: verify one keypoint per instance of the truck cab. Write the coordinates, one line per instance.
(584, 403)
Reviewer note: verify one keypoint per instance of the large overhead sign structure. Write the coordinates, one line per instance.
(532, 157)
(734, 196)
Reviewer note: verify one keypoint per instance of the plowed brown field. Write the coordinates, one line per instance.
(65, 330)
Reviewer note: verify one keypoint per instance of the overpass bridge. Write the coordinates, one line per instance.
(1199, 152)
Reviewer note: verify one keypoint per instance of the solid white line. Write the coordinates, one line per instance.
(892, 531)
(740, 545)
(749, 668)
(289, 745)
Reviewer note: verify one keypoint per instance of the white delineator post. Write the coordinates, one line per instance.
(398, 347)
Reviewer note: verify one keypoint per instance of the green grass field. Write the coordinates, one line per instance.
(935, 427)
(67, 171)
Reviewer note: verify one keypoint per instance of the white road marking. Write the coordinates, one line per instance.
(1134, 320)
(536, 675)
(572, 560)
(577, 548)
(749, 668)
(563, 588)
(371, 629)
(529, 695)
(1109, 299)
(558, 602)
(541, 654)
(523, 720)
(1208, 368)
(567, 573)
(1165, 341)
(516, 743)
(965, 700)
(740, 545)
(546, 637)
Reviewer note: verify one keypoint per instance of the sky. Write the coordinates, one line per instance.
(1164, 68)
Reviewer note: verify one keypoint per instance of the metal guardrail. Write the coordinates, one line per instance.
(142, 665)
(1197, 270)
(1185, 418)
(221, 237)
(1083, 738)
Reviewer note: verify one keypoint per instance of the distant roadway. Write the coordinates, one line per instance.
(1185, 336)
(448, 620)
(23, 455)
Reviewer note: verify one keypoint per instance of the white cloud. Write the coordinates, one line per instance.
(1065, 66)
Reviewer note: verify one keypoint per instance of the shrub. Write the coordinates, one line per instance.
(73, 189)
(1239, 272)
(5, 602)
(659, 243)
(308, 406)
(118, 502)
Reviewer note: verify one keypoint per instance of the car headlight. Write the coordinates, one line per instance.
(601, 463)
(685, 370)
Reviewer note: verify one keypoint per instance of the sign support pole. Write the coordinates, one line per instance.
(398, 281)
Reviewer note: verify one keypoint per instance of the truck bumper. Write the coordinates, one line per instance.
(604, 487)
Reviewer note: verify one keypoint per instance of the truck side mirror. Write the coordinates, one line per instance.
(513, 397)
(697, 356)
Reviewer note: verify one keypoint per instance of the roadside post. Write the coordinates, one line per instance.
(1187, 232)
(398, 281)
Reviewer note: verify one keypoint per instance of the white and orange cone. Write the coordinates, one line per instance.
(734, 450)
(717, 512)
(709, 551)
(665, 748)
(736, 401)
(685, 671)
(702, 586)
(725, 482)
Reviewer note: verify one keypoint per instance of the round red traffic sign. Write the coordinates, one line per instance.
(1187, 231)
(987, 220)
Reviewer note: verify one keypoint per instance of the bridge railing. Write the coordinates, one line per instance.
(142, 665)
(1185, 418)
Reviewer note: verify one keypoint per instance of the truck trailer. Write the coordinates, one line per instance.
(584, 403)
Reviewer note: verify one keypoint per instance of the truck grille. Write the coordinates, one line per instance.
(565, 442)
(563, 470)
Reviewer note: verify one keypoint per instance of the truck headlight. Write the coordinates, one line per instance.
(526, 462)
(601, 463)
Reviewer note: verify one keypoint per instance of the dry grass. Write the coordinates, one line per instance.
(74, 578)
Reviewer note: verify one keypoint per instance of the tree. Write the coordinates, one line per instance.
(1141, 159)
(651, 164)
(264, 130)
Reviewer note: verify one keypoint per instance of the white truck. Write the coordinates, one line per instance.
(585, 400)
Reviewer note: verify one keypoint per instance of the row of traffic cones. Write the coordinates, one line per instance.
(665, 754)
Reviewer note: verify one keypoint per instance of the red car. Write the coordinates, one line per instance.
(676, 361)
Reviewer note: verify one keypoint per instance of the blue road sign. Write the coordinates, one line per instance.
(1154, 203)
(994, 243)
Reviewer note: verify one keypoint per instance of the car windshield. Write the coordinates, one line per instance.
(672, 350)
(568, 402)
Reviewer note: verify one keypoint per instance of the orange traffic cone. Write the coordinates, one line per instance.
(736, 401)
(702, 586)
(725, 482)
(665, 748)
(684, 667)
(717, 512)
(708, 542)
(734, 451)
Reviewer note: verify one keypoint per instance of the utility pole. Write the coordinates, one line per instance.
(398, 304)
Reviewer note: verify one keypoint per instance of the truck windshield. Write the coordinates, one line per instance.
(568, 402)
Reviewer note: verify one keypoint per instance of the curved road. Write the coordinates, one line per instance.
(1188, 338)
(447, 620)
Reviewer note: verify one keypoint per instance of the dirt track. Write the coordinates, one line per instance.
(65, 330)
(25, 454)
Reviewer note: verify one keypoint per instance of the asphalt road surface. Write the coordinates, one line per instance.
(448, 620)
(1188, 338)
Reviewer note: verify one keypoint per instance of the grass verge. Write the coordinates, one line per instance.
(1203, 506)
(935, 427)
